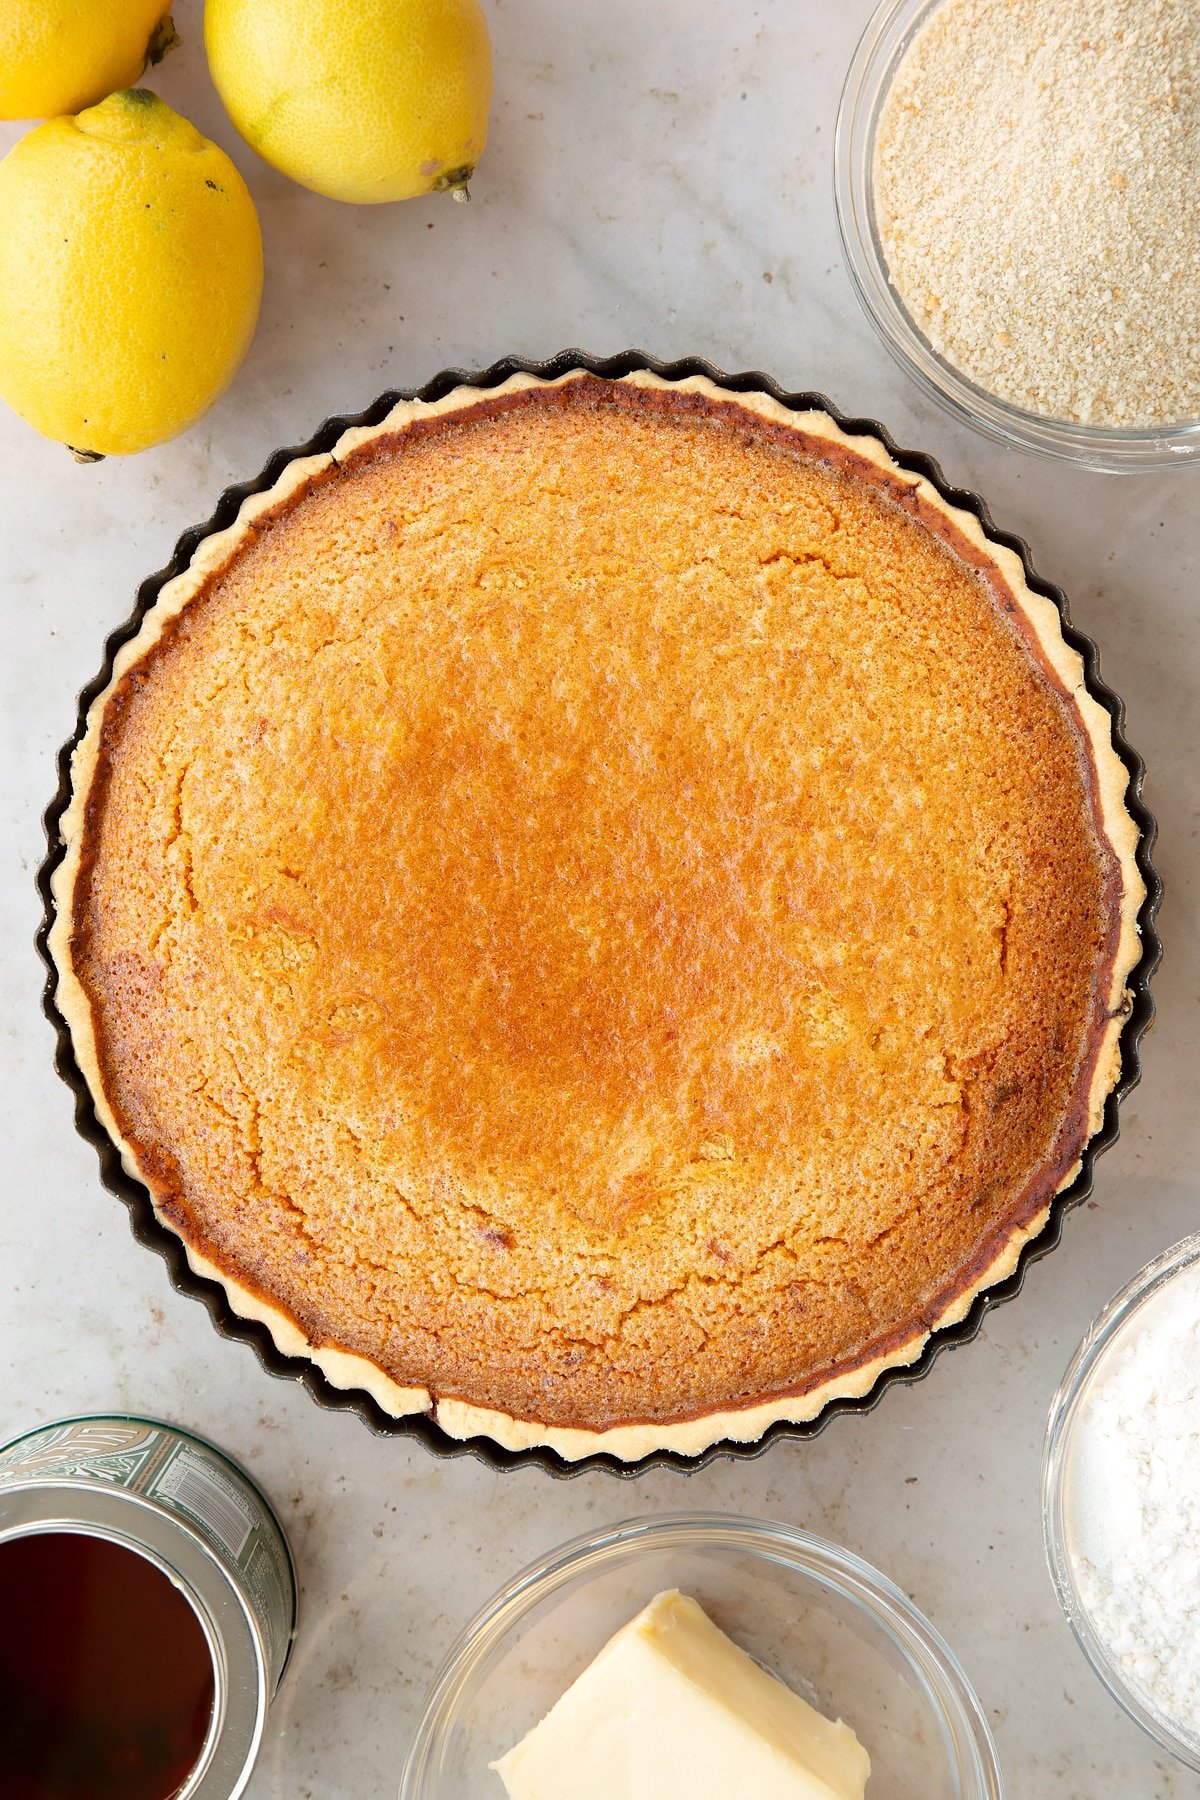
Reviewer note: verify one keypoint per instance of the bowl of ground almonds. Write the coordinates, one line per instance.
(1018, 193)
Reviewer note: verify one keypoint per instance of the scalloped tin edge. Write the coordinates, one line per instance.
(423, 1427)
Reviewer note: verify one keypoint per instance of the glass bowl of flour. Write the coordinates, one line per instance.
(1017, 200)
(1121, 1498)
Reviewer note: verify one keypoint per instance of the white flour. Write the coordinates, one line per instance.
(1133, 1502)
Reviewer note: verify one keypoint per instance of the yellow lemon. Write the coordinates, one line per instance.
(130, 275)
(360, 99)
(59, 55)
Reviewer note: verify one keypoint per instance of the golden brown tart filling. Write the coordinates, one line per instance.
(603, 910)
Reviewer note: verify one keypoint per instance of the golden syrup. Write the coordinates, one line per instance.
(106, 1680)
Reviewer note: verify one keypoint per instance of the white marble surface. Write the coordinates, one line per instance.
(659, 176)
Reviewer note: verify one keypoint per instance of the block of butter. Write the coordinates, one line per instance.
(672, 1707)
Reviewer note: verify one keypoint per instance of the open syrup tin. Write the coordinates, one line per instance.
(215, 1588)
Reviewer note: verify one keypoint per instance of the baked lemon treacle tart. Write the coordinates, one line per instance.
(600, 910)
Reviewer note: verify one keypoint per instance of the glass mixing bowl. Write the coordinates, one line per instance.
(887, 37)
(825, 1622)
(1059, 1467)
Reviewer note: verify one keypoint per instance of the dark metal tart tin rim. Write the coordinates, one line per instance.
(424, 1428)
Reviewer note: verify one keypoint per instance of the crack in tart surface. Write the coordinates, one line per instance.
(601, 910)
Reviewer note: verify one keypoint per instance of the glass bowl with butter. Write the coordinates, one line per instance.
(764, 1658)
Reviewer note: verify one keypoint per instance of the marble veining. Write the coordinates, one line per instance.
(656, 176)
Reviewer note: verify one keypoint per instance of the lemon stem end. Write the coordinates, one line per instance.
(454, 182)
(164, 37)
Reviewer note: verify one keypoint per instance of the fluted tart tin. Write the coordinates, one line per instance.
(434, 1425)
